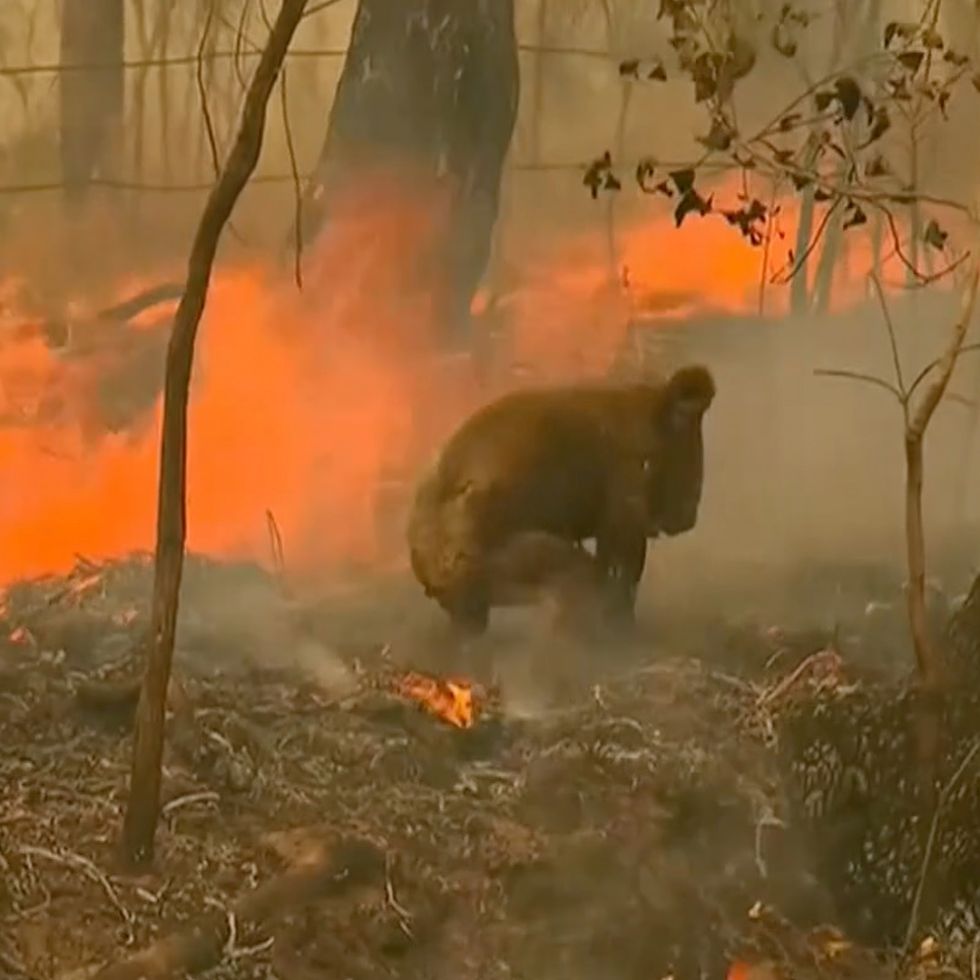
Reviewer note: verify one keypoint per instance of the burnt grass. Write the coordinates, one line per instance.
(634, 819)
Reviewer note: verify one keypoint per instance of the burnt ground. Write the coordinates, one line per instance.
(626, 812)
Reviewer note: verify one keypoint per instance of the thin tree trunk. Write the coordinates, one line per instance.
(139, 827)
(933, 679)
(92, 40)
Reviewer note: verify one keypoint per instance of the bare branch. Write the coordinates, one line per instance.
(202, 89)
(932, 397)
(893, 343)
(858, 376)
(932, 365)
(780, 278)
(297, 183)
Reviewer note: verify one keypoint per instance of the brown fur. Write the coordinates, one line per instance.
(529, 476)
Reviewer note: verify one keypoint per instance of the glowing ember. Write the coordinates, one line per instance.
(452, 701)
(21, 636)
(740, 970)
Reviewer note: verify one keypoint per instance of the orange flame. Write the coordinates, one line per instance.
(307, 404)
(450, 700)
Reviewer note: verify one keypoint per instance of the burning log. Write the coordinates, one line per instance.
(428, 94)
(323, 872)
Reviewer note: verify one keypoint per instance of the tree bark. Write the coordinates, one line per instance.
(139, 827)
(428, 97)
(92, 88)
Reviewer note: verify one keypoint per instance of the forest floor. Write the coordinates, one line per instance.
(620, 818)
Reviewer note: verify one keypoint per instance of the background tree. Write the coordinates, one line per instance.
(429, 88)
(92, 87)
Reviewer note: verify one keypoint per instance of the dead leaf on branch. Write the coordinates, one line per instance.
(955, 59)
(848, 94)
(704, 72)
(691, 202)
(597, 174)
(899, 89)
(911, 61)
(748, 219)
(857, 217)
(881, 124)
(781, 42)
(720, 136)
(877, 167)
(935, 236)
(683, 180)
(901, 29)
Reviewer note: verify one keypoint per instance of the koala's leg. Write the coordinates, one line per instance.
(534, 565)
(621, 550)
(468, 610)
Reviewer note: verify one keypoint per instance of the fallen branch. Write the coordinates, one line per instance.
(204, 944)
(142, 812)
(143, 300)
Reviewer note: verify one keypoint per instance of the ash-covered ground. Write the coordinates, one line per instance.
(719, 790)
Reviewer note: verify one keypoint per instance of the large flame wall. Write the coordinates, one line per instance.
(306, 402)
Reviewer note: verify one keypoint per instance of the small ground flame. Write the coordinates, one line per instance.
(452, 701)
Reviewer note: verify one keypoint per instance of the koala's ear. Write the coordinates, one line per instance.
(688, 395)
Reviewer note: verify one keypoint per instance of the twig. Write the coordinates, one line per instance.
(893, 343)
(779, 689)
(765, 251)
(202, 89)
(947, 362)
(297, 184)
(205, 796)
(923, 278)
(859, 376)
(779, 278)
(932, 365)
(931, 841)
(239, 42)
(70, 859)
(275, 540)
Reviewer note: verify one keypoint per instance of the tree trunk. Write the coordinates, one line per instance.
(92, 87)
(427, 98)
(139, 828)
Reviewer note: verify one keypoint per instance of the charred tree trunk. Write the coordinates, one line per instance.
(428, 95)
(92, 88)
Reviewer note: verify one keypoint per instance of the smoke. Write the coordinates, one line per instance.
(316, 405)
(809, 470)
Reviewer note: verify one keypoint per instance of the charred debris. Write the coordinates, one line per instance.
(746, 810)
